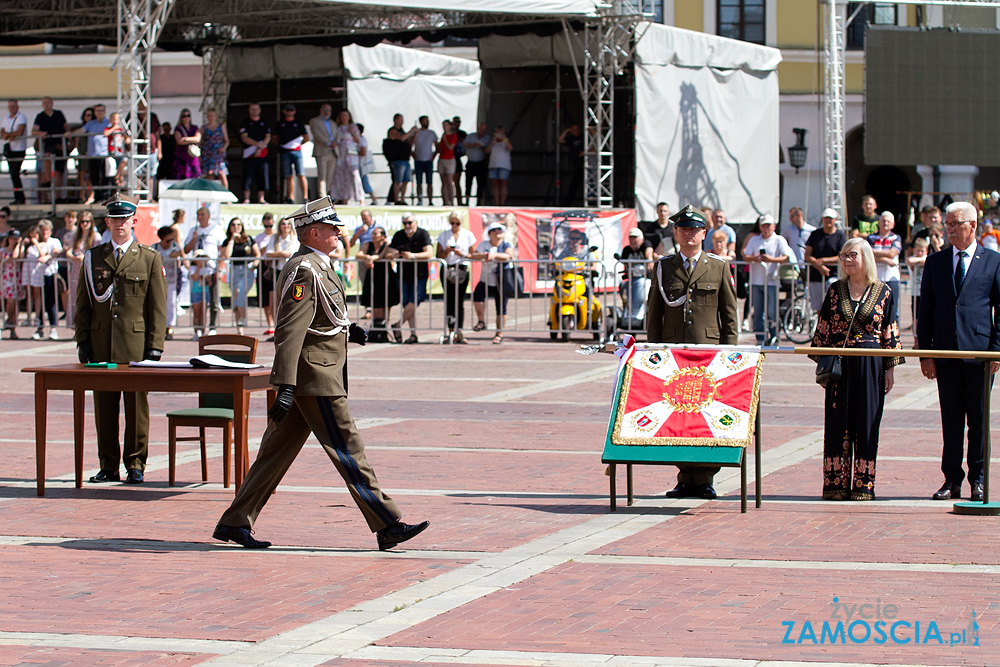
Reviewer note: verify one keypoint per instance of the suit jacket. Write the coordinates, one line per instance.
(708, 313)
(321, 138)
(134, 318)
(963, 321)
(316, 365)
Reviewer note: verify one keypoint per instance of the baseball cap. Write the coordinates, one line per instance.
(495, 225)
(635, 231)
(830, 213)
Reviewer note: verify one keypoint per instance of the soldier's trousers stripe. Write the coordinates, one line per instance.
(357, 480)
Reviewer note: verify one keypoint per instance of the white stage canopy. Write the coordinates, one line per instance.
(528, 7)
(385, 80)
(706, 124)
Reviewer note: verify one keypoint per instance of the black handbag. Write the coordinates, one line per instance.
(828, 370)
(513, 280)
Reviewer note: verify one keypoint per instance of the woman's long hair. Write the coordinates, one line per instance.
(238, 237)
(81, 241)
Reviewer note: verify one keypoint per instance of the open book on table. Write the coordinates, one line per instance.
(201, 361)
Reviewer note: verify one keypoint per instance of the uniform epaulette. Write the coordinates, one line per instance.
(721, 259)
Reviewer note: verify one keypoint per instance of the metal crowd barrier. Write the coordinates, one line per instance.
(32, 163)
(452, 311)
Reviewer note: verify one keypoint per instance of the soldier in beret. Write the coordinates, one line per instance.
(692, 300)
(121, 316)
(310, 373)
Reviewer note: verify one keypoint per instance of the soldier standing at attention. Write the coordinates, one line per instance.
(121, 316)
(692, 300)
(310, 373)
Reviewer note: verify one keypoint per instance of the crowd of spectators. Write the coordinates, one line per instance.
(344, 157)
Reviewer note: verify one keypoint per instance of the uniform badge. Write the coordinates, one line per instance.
(298, 291)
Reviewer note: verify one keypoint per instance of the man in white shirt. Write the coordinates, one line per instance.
(797, 233)
(204, 242)
(765, 253)
(13, 133)
(425, 148)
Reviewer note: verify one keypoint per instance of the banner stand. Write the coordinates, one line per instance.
(621, 449)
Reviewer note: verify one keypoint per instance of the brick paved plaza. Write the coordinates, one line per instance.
(499, 447)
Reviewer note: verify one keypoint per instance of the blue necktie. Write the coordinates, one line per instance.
(960, 271)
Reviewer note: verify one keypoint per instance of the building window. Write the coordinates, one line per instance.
(742, 19)
(654, 7)
(870, 13)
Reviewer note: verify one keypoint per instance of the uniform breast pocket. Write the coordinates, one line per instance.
(704, 292)
(135, 284)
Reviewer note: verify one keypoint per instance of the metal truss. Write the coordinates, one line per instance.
(834, 91)
(608, 43)
(833, 106)
(215, 79)
(139, 25)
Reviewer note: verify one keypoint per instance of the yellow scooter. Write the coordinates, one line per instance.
(573, 306)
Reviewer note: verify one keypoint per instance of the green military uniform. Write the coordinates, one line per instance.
(121, 309)
(692, 306)
(310, 340)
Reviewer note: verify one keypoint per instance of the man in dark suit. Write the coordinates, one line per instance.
(121, 316)
(310, 372)
(692, 300)
(959, 293)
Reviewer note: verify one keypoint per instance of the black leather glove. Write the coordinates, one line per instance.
(356, 334)
(282, 403)
(84, 352)
(152, 355)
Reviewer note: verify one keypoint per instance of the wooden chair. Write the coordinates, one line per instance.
(214, 410)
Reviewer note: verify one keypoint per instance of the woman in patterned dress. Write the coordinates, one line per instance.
(187, 136)
(10, 285)
(214, 144)
(857, 309)
(346, 186)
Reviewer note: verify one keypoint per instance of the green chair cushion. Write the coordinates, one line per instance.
(205, 413)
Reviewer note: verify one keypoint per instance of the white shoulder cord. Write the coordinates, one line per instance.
(659, 283)
(332, 310)
(89, 274)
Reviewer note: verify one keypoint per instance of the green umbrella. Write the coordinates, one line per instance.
(199, 189)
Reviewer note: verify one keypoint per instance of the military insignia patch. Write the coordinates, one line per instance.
(298, 291)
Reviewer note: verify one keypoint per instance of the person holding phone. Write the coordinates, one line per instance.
(499, 150)
(765, 253)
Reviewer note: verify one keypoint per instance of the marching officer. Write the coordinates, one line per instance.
(310, 373)
(692, 300)
(121, 316)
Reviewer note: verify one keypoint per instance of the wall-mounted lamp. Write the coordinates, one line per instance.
(797, 153)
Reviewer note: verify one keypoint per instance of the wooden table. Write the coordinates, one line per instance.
(78, 379)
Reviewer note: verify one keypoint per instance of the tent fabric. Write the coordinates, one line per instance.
(527, 7)
(706, 134)
(398, 64)
(386, 80)
(666, 45)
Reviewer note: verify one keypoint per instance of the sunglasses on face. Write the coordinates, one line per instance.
(849, 257)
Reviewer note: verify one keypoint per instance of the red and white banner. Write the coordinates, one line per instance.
(688, 397)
